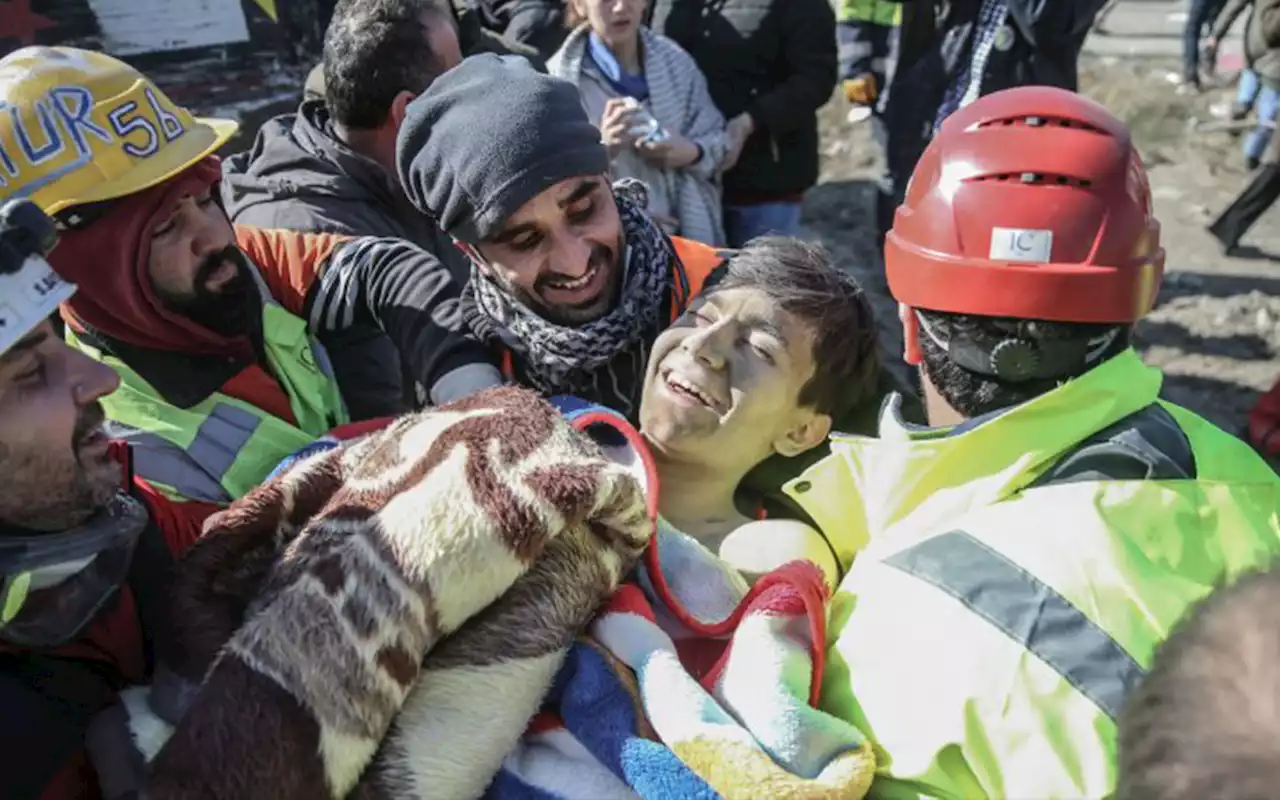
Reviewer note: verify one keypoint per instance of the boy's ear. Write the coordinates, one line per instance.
(806, 434)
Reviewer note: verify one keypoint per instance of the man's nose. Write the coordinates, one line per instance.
(570, 255)
(91, 380)
(207, 235)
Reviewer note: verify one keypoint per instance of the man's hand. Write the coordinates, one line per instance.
(1209, 55)
(739, 129)
(674, 152)
(861, 90)
(616, 124)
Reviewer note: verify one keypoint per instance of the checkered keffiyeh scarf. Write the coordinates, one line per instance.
(602, 361)
(967, 84)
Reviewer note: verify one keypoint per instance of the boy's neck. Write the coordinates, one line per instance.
(695, 500)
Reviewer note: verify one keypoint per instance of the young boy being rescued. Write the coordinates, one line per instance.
(759, 365)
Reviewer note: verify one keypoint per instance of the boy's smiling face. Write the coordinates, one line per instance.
(724, 381)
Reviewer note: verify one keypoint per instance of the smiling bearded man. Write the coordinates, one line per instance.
(571, 280)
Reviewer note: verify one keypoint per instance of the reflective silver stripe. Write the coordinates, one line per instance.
(1029, 612)
(220, 438)
(163, 463)
(195, 472)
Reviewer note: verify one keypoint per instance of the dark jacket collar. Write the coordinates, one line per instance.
(298, 155)
(180, 379)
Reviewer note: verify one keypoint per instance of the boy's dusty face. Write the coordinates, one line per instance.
(724, 382)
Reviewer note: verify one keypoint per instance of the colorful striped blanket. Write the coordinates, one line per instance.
(689, 684)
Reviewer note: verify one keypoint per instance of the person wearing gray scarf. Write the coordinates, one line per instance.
(571, 280)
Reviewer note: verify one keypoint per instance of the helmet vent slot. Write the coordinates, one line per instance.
(1033, 179)
(1041, 122)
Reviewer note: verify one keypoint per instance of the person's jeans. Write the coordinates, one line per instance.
(1251, 92)
(744, 223)
(1200, 16)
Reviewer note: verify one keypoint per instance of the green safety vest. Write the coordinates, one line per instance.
(1013, 578)
(876, 12)
(219, 449)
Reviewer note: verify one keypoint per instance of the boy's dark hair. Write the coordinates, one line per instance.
(1205, 723)
(973, 394)
(375, 49)
(802, 279)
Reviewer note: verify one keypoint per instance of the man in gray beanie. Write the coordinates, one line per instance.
(571, 281)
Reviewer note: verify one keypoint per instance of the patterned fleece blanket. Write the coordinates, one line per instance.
(308, 596)
(381, 619)
(690, 684)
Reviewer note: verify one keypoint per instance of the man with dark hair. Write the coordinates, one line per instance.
(780, 345)
(1031, 546)
(378, 54)
(330, 168)
(473, 37)
(1206, 720)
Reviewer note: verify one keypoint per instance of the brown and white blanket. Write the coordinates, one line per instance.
(381, 620)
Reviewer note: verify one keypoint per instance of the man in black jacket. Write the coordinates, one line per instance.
(330, 168)
(953, 51)
(770, 65)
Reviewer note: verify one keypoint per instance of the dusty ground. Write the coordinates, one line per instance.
(1216, 330)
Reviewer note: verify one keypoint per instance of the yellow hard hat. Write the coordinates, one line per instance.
(89, 127)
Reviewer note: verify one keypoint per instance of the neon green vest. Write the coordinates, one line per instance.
(877, 12)
(219, 449)
(994, 622)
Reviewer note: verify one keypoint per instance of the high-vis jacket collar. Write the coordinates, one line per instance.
(929, 474)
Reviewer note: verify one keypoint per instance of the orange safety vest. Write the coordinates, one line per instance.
(693, 263)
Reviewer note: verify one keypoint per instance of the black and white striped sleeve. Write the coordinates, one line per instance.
(415, 299)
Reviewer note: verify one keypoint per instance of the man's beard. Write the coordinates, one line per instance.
(233, 310)
(602, 257)
(51, 492)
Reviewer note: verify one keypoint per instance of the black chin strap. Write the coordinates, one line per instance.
(1018, 359)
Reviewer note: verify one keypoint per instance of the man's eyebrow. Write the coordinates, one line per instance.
(24, 345)
(585, 188)
(508, 234)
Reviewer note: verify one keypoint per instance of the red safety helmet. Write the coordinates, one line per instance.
(1029, 203)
